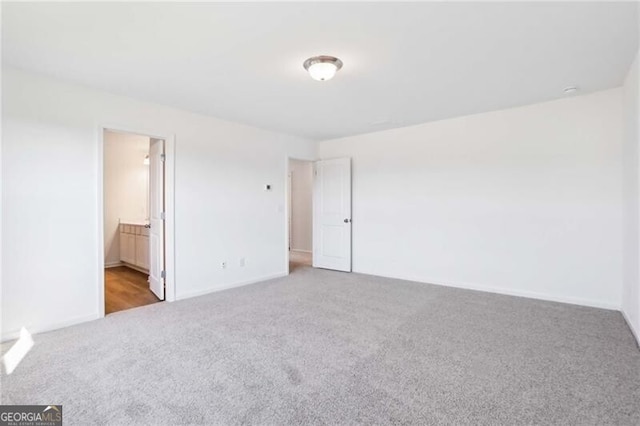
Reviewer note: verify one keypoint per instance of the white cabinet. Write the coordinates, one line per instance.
(131, 248)
(124, 247)
(127, 247)
(134, 245)
(142, 251)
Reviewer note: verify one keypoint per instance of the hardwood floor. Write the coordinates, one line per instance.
(298, 259)
(126, 288)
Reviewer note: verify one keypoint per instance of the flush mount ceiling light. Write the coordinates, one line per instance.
(322, 68)
(570, 90)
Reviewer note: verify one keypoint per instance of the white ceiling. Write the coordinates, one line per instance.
(403, 63)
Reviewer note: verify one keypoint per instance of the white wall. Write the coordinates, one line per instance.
(301, 205)
(631, 228)
(50, 132)
(524, 201)
(126, 187)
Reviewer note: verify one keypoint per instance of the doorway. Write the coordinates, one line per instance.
(300, 214)
(134, 212)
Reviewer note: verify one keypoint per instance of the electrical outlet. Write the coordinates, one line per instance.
(223, 264)
(241, 262)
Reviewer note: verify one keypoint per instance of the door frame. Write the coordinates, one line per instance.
(169, 200)
(289, 208)
(287, 201)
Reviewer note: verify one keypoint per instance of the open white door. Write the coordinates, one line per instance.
(289, 209)
(156, 218)
(332, 214)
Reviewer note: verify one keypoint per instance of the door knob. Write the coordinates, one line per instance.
(347, 220)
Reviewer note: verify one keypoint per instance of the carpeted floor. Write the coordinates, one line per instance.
(323, 347)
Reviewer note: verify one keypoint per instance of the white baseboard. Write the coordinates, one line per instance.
(135, 268)
(301, 251)
(229, 286)
(14, 334)
(636, 333)
(507, 292)
(128, 265)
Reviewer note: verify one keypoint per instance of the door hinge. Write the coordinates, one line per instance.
(162, 157)
(163, 216)
(163, 274)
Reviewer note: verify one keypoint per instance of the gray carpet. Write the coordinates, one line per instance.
(322, 347)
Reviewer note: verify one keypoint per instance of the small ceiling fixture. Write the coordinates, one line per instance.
(570, 90)
(322, 68)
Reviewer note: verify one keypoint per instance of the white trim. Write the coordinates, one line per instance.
(135, 268)
(11, 335)
(302, 251)
(78, 320)
(169, 224)
(289, 209)
(286, 214)
(635, 333)
(233, 285)
(507, 292)
(169, 188)
(113, 265)
(100, 228)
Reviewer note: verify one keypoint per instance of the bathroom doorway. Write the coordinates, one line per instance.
(133, 220)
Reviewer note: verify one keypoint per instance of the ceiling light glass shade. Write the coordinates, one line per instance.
(322, 71)
(322, 68)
